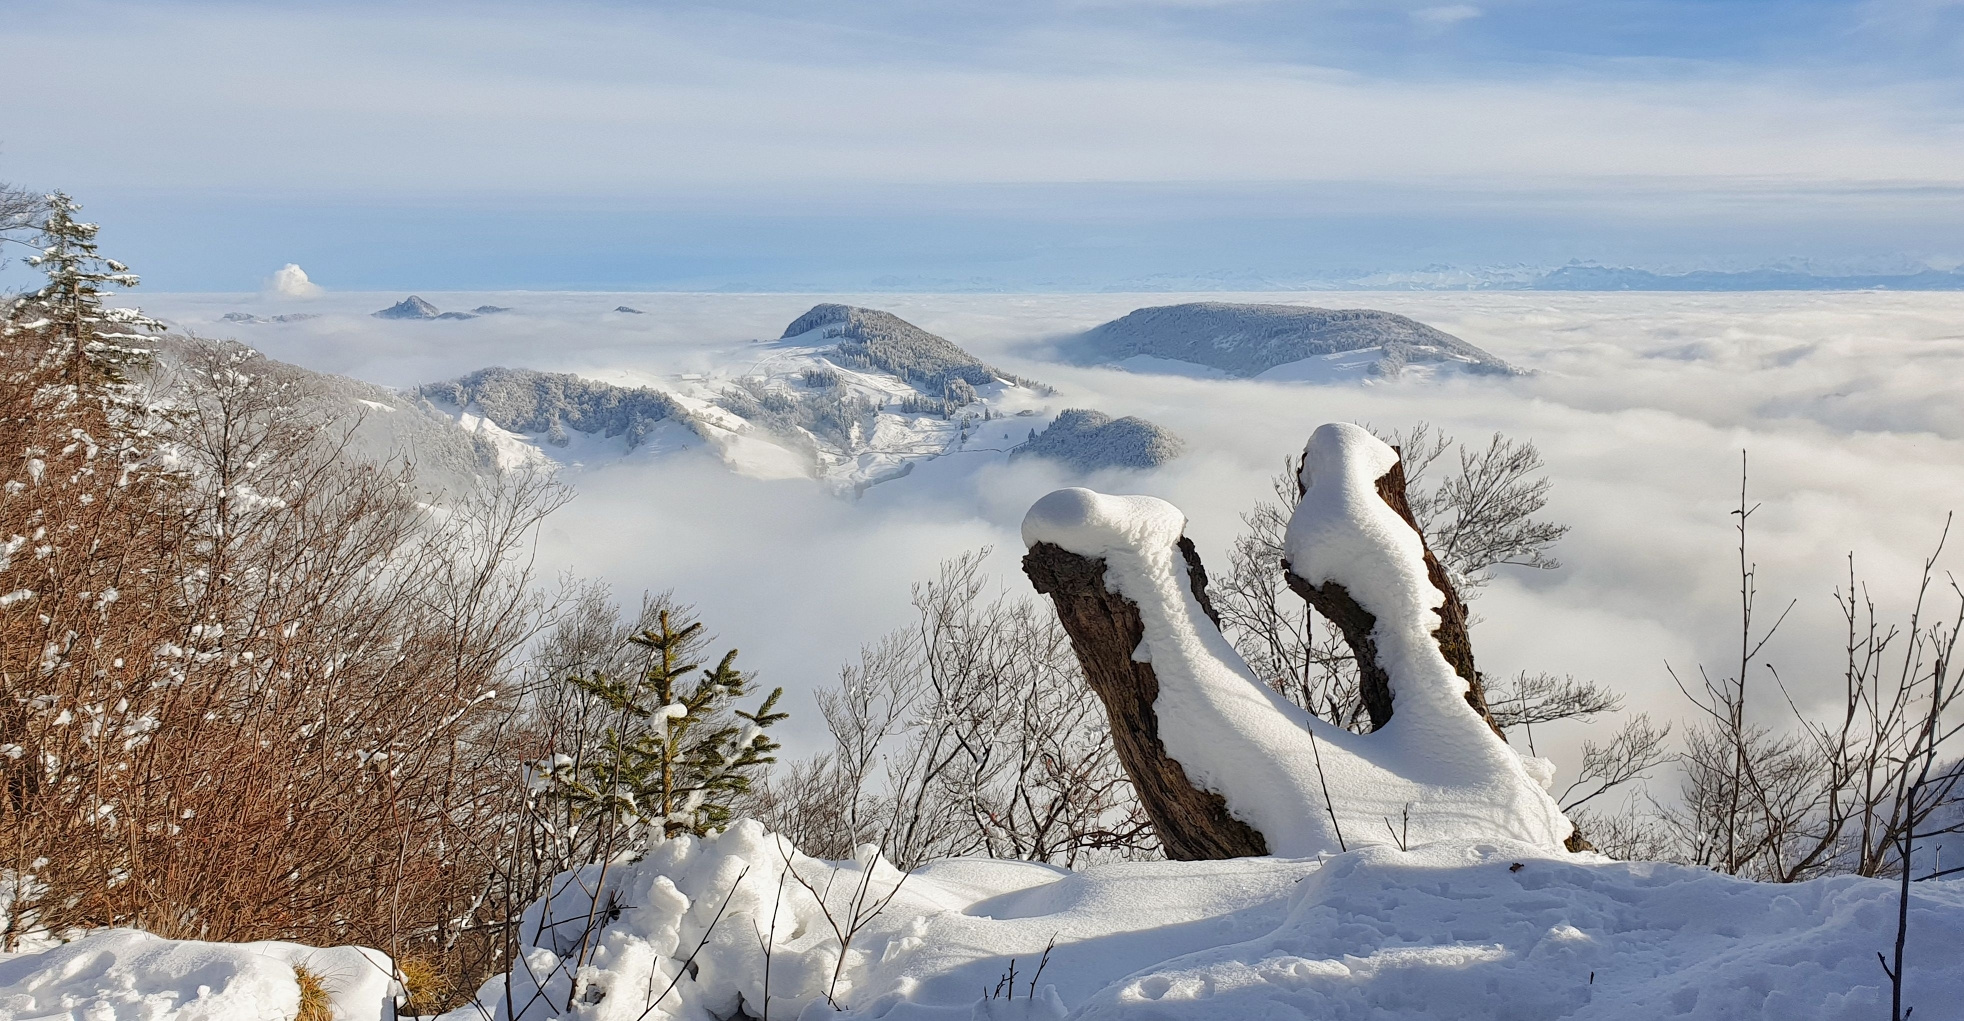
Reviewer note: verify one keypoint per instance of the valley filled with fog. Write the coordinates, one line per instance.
(1641, 404)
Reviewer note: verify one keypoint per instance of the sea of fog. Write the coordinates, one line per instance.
(1847, 405)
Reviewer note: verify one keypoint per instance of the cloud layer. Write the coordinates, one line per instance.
(1643, 404)
(607, 99)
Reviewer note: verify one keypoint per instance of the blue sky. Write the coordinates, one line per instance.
(1016, 143)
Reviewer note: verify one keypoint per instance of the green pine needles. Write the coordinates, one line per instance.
(677, 755)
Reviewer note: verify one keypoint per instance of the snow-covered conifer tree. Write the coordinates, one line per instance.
(89, 342)
(677, 756)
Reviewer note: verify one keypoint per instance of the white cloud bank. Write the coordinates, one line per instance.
(1847, 403)
(290, 281)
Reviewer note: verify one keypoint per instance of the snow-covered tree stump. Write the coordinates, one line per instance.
(1227, 767)
(1105, 628)
(1337, 605)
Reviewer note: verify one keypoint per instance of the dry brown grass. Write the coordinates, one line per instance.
(314, 1003)
(424, 979)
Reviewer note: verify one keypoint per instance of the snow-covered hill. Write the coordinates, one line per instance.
(1282, 342)
(849, 396)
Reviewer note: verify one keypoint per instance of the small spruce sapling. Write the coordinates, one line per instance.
(678, 755)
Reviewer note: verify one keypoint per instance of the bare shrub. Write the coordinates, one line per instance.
(251, 692)
(1851, 793)
(970, 733)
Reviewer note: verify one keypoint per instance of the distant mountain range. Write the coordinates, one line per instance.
(849, 396)
(1573, 277)
(1608, 278)
(414, 307)
(1252, 340)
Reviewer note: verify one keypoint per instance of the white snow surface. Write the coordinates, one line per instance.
(1474, 930)
(127, 975)
(1436, 773)
(1462, 929)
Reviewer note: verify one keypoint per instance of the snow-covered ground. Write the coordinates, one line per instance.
(126, 975)
(1454, 930)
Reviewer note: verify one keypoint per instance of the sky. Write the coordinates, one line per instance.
(1014, 144)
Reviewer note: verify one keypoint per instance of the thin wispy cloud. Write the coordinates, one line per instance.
(1445, 16)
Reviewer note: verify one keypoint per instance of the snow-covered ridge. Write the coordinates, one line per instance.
(873, 340)
(1438, 774)
(848, 396)
(549, 403)
(1250, 340)
(1089, 440)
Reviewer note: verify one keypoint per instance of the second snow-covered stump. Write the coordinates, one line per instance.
(1225, 766)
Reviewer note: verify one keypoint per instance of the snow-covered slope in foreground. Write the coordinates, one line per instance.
(1462, 929)
(1452, 930)
(126, 975)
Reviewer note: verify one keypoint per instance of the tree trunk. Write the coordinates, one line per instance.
(1340, 608)
(1105, 628)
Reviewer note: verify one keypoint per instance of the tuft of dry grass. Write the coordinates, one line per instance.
(423, 978)
(314, 1005)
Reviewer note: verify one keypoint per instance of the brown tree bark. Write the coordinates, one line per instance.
(1338, 606)
(1105, 628)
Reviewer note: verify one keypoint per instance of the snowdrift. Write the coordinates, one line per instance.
(125, 975)
(1466, 930)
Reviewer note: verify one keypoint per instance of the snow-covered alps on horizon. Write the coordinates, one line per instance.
(853, 397)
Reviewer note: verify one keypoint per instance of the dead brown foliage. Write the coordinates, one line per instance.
(250, 677)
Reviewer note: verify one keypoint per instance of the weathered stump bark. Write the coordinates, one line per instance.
(1340, 608)
(1105, 628)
